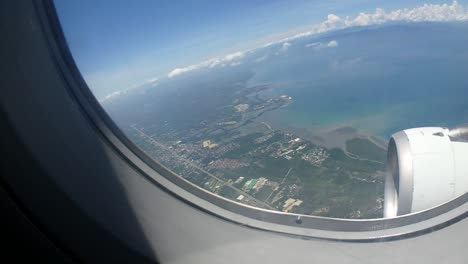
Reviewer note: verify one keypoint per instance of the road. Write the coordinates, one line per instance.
(153, 141)
(284, 178)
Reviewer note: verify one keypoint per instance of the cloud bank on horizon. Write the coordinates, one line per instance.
(425, 13)
(232, 58)
(153, 82)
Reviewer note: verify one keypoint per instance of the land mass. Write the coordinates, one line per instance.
(232, 153)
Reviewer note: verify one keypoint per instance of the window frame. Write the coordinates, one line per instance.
(304, 226)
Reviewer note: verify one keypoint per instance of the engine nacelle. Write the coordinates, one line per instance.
(426, 168)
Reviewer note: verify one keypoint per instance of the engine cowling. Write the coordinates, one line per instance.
(426, 168)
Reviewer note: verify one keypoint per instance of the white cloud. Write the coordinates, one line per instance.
(424, 13)
(332, 22)
(178, 71)
(332, 44)
(110, 96)
(284, 47)
(314, 44)
(153, 82)
(261, 59)
(233, 56)
(211, 63)
(319, 45)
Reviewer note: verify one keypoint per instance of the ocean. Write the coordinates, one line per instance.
(378, 80)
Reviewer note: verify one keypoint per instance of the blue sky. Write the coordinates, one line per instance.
(121, 44)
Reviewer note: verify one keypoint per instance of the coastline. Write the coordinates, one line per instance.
(331, 137)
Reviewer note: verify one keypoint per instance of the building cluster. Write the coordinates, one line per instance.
(241, 107)
(263, 138)
(290, 204)
(254, 184)
(226, 164)
(316, 156)
(209, 144)
(213, 185)
(239, 180)
(207, 149)
(288, 148)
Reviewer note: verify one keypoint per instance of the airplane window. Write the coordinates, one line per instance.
(346, 110)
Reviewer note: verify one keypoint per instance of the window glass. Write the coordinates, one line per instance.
(282, 105)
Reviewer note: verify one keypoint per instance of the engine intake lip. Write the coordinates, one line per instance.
(391, 181)
(399, 178)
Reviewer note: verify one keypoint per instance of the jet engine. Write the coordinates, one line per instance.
(426, 167)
